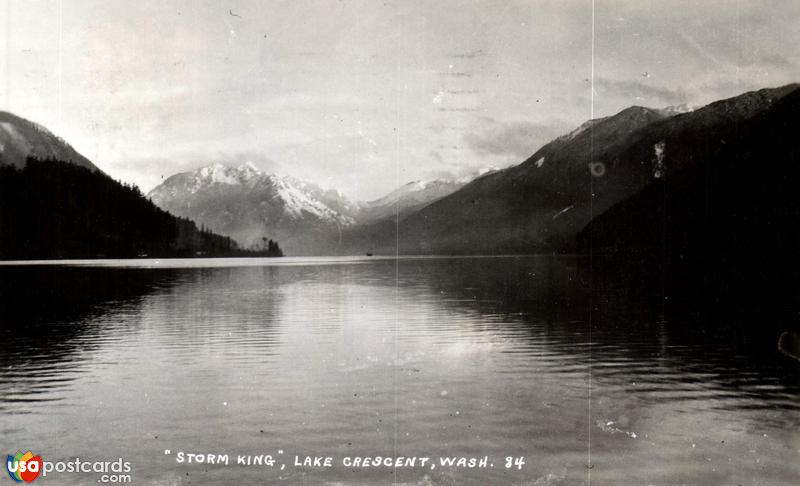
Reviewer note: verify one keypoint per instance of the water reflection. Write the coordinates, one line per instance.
(55, 318)
(524, 356)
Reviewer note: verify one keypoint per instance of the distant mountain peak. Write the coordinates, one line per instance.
(225, 174)
(636, 112)
(425, 191)
(248, 204)
(215, 166)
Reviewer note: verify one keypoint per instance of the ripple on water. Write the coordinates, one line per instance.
(353, 356)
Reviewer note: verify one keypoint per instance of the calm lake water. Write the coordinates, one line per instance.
(427, 357)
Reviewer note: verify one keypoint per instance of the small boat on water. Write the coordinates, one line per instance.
(369, 254)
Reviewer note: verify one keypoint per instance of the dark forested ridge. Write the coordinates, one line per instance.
(723, 229)
(51, 209)
(540, 205)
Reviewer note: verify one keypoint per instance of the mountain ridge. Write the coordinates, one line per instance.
(51, 209)
(248, 204)
(542, 203)
(21, 138)
(720, 229)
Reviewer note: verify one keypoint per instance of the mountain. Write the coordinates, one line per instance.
(721, 227)
(514, 210)
(543, 203)
(248, 205)
(52, 209)
(55, 203)
(20, 139)
(407, 199)
(540, 205)
(414, 196)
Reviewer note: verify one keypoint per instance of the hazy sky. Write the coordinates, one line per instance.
(365, 95)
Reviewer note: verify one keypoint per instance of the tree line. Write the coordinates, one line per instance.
(52, 210)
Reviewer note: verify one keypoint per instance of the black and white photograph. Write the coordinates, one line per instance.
(400, 242)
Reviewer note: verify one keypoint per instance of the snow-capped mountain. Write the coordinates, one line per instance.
(248, 204)
(414, 196)
(20, 138)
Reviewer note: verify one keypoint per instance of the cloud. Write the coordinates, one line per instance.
(343, 96)
(519, 139)
(772, 60)
(640, 91)
(435, 155)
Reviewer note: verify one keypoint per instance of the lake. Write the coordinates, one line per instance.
(519, 357)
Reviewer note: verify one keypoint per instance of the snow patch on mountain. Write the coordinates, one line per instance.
(297, 200)
(679, 109)
(563, 211)
(471, 176)
(581, 128)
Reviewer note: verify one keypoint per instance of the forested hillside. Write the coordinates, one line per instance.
(51, 209)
